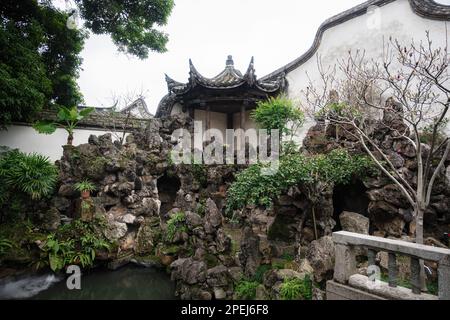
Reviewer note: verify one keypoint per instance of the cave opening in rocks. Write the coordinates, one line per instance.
(351, 197)
(168, 187)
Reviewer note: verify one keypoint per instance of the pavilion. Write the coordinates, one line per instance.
(223, 102)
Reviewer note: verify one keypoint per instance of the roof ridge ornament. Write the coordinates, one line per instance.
(194, 75)
(250, 75)
(230, 62)
(228, 85)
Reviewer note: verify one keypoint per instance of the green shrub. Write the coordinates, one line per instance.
(74, 243)
(276, 113)
(260, 272)
(200, 174)
(295, 288)
(201, 207)
(251, 187)
(177, 223)
(432, 286)
(278, 265)
(246, 290)
(288, 257)
(58, 252)
(31, 174)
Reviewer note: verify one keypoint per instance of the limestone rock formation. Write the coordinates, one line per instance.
(354, 222)
(320, 255)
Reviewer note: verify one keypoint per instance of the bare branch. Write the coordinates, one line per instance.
(436, 173)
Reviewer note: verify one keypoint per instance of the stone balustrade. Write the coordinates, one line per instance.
(345, 263)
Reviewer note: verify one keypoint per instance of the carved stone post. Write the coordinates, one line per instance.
(444, 279)
(392, 269)
(371, 257)
(345, 262)
(415, 276)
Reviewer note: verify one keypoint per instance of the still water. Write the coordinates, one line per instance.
(128, 283)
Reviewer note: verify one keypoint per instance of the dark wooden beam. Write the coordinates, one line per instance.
(191, 111)
(230, 121)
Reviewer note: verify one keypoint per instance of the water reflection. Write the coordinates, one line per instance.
(128, 283)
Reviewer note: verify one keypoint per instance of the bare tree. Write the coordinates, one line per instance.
(117, 121)
(417, 82)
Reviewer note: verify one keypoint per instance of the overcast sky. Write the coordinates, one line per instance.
(274, 32)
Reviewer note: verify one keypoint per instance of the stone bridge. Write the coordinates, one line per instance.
(347, 284)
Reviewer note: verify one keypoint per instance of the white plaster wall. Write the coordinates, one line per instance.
(367, 32)
(28, 140)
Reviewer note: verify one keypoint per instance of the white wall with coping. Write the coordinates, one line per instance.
(366, 33)
(28, 140)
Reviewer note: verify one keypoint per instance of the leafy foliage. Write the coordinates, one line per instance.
(260, 271)
(5, 245)
(339, 167)
(75, 243)
(251, 187)
(200, 174)
(246, 290)
(31, 174)
(277, 113)
(39, 59)
(432, 285)
(177, 223)
(131, 24)
(295, 288)
(40, 56)
(58, 252)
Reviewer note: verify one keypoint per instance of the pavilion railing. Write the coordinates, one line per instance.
(346, 244)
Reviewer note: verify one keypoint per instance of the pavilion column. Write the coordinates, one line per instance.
(230, 121)
(191, 113)
(242, 125)
(208, 122)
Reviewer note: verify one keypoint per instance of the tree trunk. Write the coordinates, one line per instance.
(70, 139)
(299, 235)
(419, 240)
(314, 221)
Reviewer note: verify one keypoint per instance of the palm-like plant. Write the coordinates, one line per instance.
(68, 118)
(5, 245)
(32, 174)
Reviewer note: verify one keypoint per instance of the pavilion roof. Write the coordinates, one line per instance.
(227, 80)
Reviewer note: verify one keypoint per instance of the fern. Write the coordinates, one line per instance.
(295, 288)
(175, 224)
(246, 290)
